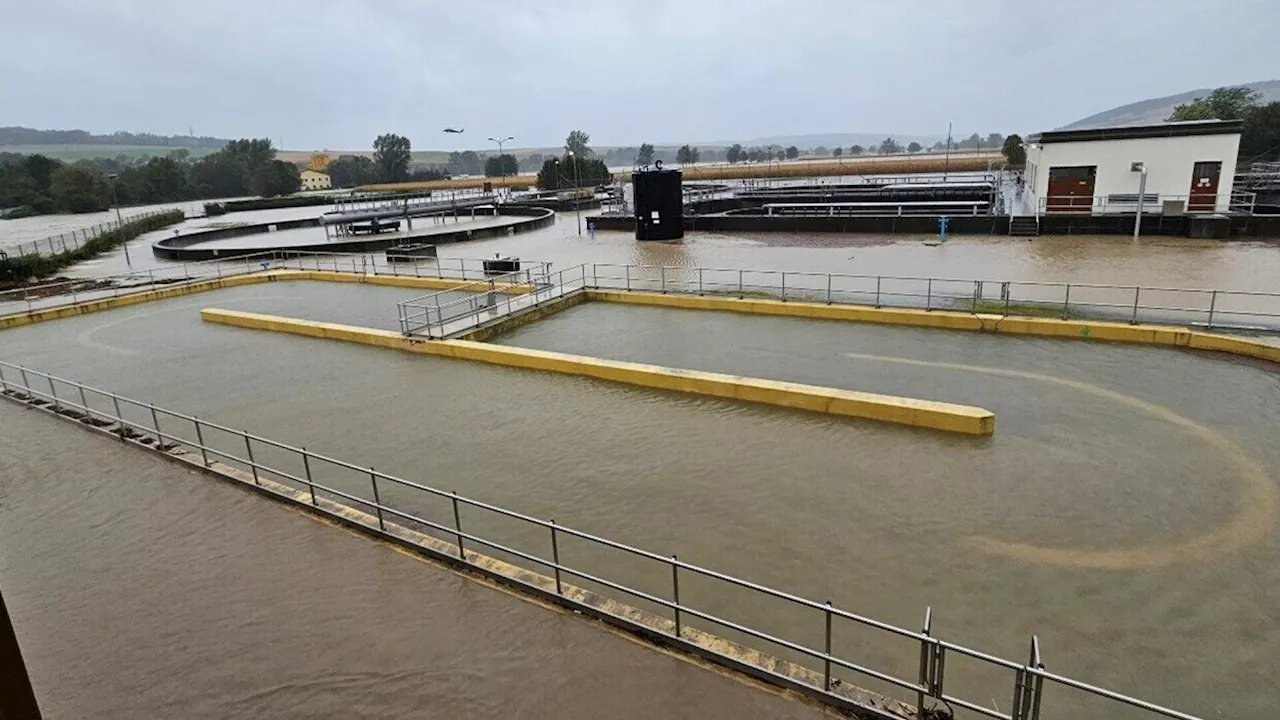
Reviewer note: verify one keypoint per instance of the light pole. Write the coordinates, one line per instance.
(500, 141)
(577, 188)
(115, 200)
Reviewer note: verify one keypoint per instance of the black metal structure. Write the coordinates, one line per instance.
(659, 202)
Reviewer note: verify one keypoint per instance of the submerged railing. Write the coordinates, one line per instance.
(466, 307)
(316, 479)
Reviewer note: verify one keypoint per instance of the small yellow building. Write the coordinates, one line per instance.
(313, 180)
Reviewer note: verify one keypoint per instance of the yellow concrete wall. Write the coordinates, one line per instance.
(886, 408)
(196, 286)
(940, 319)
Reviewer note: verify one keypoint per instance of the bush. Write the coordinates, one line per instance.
(24, 267)
(20, 212)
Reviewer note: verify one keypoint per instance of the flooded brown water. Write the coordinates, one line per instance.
(882, 520)
(140, 590)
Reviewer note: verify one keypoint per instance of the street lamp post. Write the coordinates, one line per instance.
(577, 188)
(115, 200)
(500, 141)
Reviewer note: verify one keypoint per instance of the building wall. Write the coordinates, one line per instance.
(312, 180)
(1169, 163)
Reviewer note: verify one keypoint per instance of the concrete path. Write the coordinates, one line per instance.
(139, 589)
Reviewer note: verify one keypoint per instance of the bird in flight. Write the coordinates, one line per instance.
(456, 132)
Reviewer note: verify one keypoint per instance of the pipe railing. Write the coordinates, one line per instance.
(1203, 307)
(441, 314)
(63, 292)
(1239, 201)
(1026, 680)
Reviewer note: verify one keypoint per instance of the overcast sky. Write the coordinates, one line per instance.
(336, 73)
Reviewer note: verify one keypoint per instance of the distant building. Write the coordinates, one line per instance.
(314, 180)
(1098, 170)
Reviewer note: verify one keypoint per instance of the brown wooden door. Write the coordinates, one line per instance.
(1204, 187)
(1071, 188)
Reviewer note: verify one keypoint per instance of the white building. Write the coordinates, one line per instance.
(1099, 170)
(315, 180)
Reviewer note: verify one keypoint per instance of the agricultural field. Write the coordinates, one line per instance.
(72, 153)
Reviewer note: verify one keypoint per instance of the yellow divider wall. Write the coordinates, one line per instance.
(886, 408)
(197, 286)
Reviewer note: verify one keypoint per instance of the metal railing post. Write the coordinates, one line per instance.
(977, 292)
(740, 293)
(1037, 680)
(377, 499)
(928, 296)
(155, 422)
(1066, 302)
(877, 291)
(253, 465)
(457, 525)
(662, 273)
(53, 392)
(675, 590)
(595, 282)
(1137, 292)
(84, 402)
(826, 654)
(628, 268)
(555, 557)
(784, 286)
(1213, 302)
(828, 288)
(925, 653)
(204, 454)
(306, 466)
(699, 282)
(119, 418)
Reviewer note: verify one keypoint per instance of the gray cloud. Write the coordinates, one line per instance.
(336, 73)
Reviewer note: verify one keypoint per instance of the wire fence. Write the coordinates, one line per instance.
(72, 240)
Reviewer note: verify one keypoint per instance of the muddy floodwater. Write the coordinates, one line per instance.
(1125, 510)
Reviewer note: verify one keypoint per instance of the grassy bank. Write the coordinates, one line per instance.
(17, 270)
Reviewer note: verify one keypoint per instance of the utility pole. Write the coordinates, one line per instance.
(1142, 193)
(115, 200)
(946, 168)
(577, 189)
(501, 140)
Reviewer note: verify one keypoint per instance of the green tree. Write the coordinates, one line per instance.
(734, 153)
(644, 156)
(276, 178)
(532, 162)
(792, 152)
(501, 165)
(821, 150)
(165, 180)
(79, 189)
(391, 154)
(352, 170)
(1260, 139)
(577, 144)
(1013, 150)
(914, 147)
(41, 170)
(181, 155)
(687, 155)
(890, 146)
(994, 139)
(838, 151)
(252, 154)
(857, 150)
(568, 172)
(1224, 103)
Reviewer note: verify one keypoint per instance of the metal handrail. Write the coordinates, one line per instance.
(1028, 679)
(1252, 310)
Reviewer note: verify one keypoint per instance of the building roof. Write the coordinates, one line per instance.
(316, 172)
(1132, 132)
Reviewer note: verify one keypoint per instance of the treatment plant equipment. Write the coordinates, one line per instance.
(659, 203)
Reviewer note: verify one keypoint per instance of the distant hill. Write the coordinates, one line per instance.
(24, 136)
(1155, 110)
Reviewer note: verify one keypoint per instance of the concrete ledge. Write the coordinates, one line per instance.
(884, 408)
(197, 286)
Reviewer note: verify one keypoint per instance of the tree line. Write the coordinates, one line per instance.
(1260, 136)
(36, 184)
(16, 135)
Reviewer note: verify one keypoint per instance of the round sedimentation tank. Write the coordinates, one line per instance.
(659, 203)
